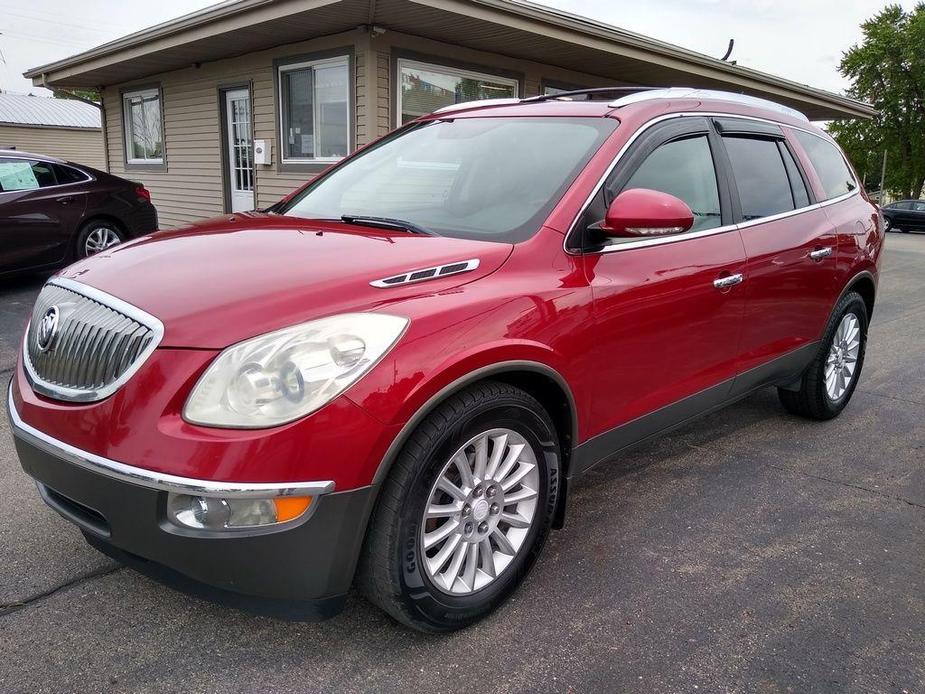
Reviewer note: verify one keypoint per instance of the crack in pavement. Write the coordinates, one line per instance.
(839, 483)
(890, 397)
(12, 607)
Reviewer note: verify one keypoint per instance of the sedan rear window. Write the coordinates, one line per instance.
(494, 179)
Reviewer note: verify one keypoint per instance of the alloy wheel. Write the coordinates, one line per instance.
(842, 362)
(100, 239)
(479, 511)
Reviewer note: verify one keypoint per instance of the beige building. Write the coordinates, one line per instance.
(232, 107)
(61, 128)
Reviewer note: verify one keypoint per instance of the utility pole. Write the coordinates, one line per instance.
(882, 176)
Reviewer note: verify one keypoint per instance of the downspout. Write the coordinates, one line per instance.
(75, 97)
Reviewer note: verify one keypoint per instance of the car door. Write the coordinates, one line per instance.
(917, 215)
(790, 245)
(37, 215)
(664, 333)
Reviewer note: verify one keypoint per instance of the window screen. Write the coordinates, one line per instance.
(684, 168)
(144, 141)
(829, 164)
(760, 176)
(315, 109)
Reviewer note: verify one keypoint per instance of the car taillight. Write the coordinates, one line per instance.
(143, 193)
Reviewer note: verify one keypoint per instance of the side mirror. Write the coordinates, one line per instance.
(644, 212)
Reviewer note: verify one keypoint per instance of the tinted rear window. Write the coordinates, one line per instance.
(829, 164)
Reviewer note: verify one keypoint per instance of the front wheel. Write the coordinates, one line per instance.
(887, 224)
(830, 380)
(465, 511)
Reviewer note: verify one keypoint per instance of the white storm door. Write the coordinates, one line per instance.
(239, 146)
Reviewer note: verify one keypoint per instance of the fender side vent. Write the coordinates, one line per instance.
(427, 273)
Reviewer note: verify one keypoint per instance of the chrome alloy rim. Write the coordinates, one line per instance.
(842, 362)
(479, 511)
(100, 239)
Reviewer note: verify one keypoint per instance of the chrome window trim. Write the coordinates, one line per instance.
(43, 387)
(156, 480)
(643, 243)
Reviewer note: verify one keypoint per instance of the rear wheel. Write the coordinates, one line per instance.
(465, 510)
(830, 380)
(98, 235)
(887, 224)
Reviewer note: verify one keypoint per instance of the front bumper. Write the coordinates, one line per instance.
(299, 570)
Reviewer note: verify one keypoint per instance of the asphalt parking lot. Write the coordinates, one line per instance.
(749, 551)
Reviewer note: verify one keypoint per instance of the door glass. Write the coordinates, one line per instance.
(760, 176)
(240, 129)
(18, 174)
(684, 168)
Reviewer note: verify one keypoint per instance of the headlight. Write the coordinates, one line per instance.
(287, 374)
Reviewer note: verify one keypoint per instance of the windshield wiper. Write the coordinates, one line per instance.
(386, 223)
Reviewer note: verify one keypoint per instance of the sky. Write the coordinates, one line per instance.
(802, 40)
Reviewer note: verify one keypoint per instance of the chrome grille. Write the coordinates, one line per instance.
(99, 343)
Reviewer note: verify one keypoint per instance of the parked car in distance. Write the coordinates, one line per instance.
(392, 378)
(904, 215)
(53, 212)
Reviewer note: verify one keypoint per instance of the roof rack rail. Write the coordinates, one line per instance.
(710, 95)
(591, 93)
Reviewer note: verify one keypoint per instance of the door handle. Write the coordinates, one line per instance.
(821, 253)
(728, 281)
(66, 200)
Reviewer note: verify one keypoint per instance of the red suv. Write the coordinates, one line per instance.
(392, 377)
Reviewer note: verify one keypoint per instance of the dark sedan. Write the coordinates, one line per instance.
(53, 212)
(904, 215)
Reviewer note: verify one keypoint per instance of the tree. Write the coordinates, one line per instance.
(887, 69)
(89, 94)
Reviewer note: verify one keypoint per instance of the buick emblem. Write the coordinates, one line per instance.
(48, 329)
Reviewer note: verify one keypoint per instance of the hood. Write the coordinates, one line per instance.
(227, 279)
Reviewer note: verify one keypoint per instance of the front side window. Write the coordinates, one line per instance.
(760, 176)
(21, 174)
(683, 168)
(494, 179)
(425, 88)
(829, 163)
(144, 138)
(315, 109)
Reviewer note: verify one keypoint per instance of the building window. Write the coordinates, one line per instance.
(144, 137)
(315, 110)
(425, 88)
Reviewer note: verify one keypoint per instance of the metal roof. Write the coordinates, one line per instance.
(20, 109)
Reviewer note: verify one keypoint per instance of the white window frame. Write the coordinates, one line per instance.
(455, 72)
(127, 125)
(281, 70)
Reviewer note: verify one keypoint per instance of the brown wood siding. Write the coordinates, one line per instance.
(81, 146)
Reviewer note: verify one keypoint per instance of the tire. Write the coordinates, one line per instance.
(100, 233)
(394, 568)
(815, 399)
(887, 225)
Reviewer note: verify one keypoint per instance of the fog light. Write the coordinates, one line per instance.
(213, 513)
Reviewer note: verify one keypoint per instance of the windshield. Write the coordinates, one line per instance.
(494, 179)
